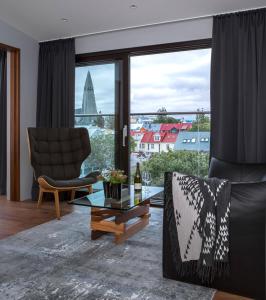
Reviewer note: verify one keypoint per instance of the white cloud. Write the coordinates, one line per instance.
(178, 81)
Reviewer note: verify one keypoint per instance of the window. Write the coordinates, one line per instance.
(172, 82)
(164, 102)
(204, 140)
(95, 98)
(157, 137)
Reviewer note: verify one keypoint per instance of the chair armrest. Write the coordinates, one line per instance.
(94, 174)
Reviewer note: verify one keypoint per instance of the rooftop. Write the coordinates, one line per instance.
(193, 141)
(150, 137)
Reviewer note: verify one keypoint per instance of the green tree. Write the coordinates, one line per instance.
(102, 153)
(100, 121)
(202, 123)
(164, 118)
(187, 162)
(109, 122)
(132, 144)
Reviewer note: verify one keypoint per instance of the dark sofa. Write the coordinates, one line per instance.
(247, 230)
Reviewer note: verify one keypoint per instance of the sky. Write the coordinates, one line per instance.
(103, 77)
(178, 81)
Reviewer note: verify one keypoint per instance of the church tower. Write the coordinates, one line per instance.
(88, 101)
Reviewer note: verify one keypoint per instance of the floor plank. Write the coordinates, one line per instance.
(225, 296)
(19, 216)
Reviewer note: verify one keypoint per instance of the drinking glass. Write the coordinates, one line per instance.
(146, 177)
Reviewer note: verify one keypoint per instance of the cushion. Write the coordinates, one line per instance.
(237, 172)
(76, 182)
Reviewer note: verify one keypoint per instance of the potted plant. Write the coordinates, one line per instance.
(112, 182)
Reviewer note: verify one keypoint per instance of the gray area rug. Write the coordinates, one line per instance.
(57, 260)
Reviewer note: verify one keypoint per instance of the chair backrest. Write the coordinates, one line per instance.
(58, 152)
(237, 172)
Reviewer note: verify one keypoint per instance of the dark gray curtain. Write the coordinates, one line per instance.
(238, 87)
(56, 88)
(56, 84)
(3, 122)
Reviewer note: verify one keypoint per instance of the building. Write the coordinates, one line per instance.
(137, 135)
(155, 127)
(175, 127)
(88, 100)
(137, 127)
(168, 142)
(88, 104)
(193, 141)
(157, 142)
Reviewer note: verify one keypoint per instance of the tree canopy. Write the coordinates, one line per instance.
(202, 123)
(165, 119)
(102, 153)
(187, 162)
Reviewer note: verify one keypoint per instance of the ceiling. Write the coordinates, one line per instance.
(41, 19)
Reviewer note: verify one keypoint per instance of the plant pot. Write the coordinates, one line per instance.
(107, 189)
(116, 189)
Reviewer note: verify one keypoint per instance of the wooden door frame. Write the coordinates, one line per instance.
(14, 121)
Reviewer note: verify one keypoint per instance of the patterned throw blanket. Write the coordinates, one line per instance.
(201, 210)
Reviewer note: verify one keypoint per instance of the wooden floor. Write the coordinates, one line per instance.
(18, 216)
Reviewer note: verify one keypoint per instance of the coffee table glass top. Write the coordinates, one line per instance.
(128, 201)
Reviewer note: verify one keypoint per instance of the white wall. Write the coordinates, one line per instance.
(151, 35)
(28, 94)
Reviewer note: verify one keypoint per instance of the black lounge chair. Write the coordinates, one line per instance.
(56, 156)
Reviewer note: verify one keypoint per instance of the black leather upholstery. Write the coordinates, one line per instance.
(247, 231)
(58, 152)
(237, 172)
(76, 182)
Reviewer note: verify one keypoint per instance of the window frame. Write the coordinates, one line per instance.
(122, 156)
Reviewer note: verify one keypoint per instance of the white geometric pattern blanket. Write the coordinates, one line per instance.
(202, 208)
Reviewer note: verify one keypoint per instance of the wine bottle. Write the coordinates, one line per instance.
(137, 180)
(137, 197)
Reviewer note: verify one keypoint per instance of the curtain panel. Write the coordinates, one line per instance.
(3, 122)
(56, 88)
(56, 84)
(238, 87)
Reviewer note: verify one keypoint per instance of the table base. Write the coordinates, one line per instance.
(115, 221)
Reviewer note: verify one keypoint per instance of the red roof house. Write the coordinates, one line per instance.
(170, 138)
(175, 127)
(159, 137)
(152, 137)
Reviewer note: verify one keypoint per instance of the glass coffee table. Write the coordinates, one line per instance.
(123, 217)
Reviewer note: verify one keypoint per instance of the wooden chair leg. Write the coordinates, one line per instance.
(57, 206)
(73, 195)
(40, 197)
(90, 189)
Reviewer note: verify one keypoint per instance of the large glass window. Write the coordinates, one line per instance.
(95, 110)
(146, 107)
(169, 112)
